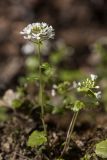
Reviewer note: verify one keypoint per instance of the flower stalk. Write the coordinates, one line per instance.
(41, 88)
(69, 133)
(38, 33)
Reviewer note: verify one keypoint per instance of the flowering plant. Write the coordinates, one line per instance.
(38, 32)
(89, 95)
(87, 92)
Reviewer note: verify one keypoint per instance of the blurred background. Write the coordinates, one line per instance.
(78, 50)
(79, 47)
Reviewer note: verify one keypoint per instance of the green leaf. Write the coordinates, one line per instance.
(101, 149)
(47, 70)
(36, 139)
(32, 77)
(45, 66)
(63, 87)
(83, 89)
(86, 157)
(58, 110)
(17, 103)
(78, 105)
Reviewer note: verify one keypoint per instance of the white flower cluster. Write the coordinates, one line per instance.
(90, 84)
(38, 32)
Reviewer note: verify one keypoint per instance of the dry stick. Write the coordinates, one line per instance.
(69, 133)
(24, 157)
(15, 153)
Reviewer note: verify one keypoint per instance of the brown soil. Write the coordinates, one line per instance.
(14, 134)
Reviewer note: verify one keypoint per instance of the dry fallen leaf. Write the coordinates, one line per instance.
(8, 98)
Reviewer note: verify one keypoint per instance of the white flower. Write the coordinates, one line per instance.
(38, 32)
(79, 84)
(98, 95)
(75, 84)
(53, 92)
(97, 87)
(93, 77)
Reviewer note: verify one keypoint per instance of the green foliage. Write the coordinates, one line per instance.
(58, 110)
(76, 98)
(69, 75)
(69, 100)
(17, 103)
(21, 90)
(32, 77)
(45, 66)
(32, 63)
(36, 139)
(101, 149)
(89, 92)
(63, 87)
(104, 97)
(81, 95)
(78, 105)
(60, 54)
(47, 71)
(86, 157)
(3, 114)
(100, 48)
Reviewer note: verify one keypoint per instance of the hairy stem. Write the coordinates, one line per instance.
(41, 89)
(69, 133)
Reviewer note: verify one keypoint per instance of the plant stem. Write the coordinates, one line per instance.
(41, 89)
(69, 132)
